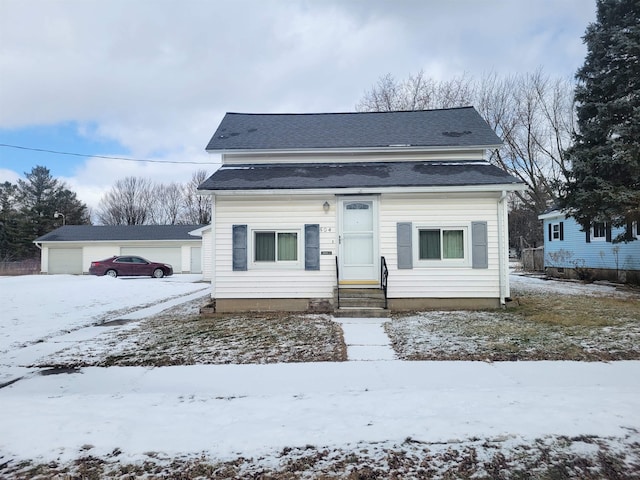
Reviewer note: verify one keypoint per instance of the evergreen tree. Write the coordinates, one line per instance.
(9, 219)
(40, 196)
(605, 179)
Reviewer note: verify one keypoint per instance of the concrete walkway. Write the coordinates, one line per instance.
(366, 339)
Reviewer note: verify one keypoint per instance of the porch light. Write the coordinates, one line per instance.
(326, 206)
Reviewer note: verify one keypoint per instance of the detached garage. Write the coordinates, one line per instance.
(72, 248)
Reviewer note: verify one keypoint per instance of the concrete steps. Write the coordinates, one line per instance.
(360, 302)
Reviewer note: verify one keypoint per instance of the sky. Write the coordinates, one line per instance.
(151, 79)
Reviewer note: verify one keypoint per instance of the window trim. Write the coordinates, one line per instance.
(555, 231)
(276, 264)
(635, 229)
(465, 261)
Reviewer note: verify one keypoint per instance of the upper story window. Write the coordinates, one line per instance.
(599, 231)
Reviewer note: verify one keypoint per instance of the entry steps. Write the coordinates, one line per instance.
(360, 303)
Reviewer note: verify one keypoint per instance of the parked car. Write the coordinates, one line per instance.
(128, 266)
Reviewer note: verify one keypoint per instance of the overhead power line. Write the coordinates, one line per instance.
(108, 157)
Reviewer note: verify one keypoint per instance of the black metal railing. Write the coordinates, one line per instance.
(384, 275)
(337, 282)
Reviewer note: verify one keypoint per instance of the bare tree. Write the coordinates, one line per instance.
(197, 207)
(129, 202)
(532, 113)
(168, 206)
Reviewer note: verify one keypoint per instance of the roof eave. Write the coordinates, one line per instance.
(498, 187)
(194, 239)
(388, 149)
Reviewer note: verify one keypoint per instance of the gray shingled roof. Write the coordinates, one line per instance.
(85, 233)
(347, 175)
(455, 127)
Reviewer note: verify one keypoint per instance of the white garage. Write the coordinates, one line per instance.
(65, 260)
(72, 248)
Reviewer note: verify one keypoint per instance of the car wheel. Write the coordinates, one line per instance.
(111, 273)
(158, 273)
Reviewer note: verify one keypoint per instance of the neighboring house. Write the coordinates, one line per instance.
(72, 248)
(572, 252)
(305, 203)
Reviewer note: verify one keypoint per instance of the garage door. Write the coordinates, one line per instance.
(196, 260)
(65, 260)
(170, 255)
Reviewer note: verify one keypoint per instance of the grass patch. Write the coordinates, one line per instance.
(558, 458)
(181, 337)
(549, 327)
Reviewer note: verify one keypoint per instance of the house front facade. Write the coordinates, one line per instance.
(570, 251)
(309, 206)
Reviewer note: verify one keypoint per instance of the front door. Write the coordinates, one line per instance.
(358, 241)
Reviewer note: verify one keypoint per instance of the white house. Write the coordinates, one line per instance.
(309, 208)
(72, 248)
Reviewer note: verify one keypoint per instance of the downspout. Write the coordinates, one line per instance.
(39, 246)
(503, 267)
(213, 247)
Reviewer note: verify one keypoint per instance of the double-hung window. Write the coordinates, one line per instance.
(599, 231)
(275, 246)
(442, 245)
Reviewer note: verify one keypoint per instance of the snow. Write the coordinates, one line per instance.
(255, 410)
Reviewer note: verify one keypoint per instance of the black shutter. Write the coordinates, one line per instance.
(550, 232)
(607, 228)
(629, 231)
(312, 247)
(587, 232)
(239, 248)
(561, 230)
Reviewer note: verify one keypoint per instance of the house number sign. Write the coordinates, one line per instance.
(326, 229)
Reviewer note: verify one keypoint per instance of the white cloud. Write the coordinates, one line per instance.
(8, 176)
(157, 76)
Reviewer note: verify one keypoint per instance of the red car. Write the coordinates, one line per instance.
(129, 266)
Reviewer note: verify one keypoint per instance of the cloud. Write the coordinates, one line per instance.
(8, 176)
(156, 76)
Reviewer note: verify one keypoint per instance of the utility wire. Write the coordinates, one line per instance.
(100, 156)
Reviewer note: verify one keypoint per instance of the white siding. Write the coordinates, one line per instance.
(284, 212)
(439, 282)
(293, 212)
(207, 251)
(315, 157)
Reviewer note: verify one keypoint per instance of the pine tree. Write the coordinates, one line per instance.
(605, 156)
(39, 196)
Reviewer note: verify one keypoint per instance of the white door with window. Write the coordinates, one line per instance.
(358, 257)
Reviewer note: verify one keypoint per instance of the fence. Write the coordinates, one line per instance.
(533, 259)
(22, 267)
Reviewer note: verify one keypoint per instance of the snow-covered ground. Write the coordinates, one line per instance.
(257, 410)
